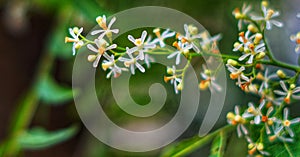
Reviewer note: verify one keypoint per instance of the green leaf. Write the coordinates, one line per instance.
(90, 9)
(175, 149)
(218, 146)
(56, 43)
(187, 146)
(38, 138)
(52, 93)
(283, 149)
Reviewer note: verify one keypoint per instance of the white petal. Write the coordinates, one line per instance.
(144, 35)
(95, 64)
(268, 25)
(141, 68)
(276, 23)
(278, 92)
(112, 21)
(130, 37)
(92, 48)
(285, 113)
(283, 86)
(96, 32)
(178, 58)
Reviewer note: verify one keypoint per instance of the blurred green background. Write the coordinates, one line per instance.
(32, 33)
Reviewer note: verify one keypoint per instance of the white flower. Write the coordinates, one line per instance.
(241, 14)
(296, 39)
(209, 81)
(280, 134)
(207, 43)
(106, 30)
(237, 74)
(140, 45)
(256, 148)
(286, 94)
(161, 37)
(237, 119)
(244, 39)
(254, 50)
(255, 112)
(182, 48)
(266, 78)
(298, 15)
(111, 64)
(77, 43)
(268, 15)
(132, 62)
(174, 79)
(285, 123)
(190, 37)
(100, 50)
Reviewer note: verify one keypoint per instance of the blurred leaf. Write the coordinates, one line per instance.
(218, 146)
(38, 138)
(174, 149)
(50, 92)
(90, 9)
(56, 43)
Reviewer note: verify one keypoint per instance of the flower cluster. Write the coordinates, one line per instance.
(248, 66)
(276, 90)
(117, 59)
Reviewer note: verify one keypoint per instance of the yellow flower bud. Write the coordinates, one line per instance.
(91, 58)
(264, 3)
(260, 146)
(258, 37)
(232, 62)
(230, 115)
(280, 74)
(193, 30)
(261, 55)
(252, 28)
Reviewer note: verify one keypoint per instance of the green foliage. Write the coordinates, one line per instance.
(218, 146)
(38, 138)
(90, 9)
(56, 44)
(175, 149)
(52, 93)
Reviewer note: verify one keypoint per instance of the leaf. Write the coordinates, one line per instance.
(174, 149)
(283, 149)
(56, 43)
(218, 146)
(90, 9)
(52, 93)
(38, 138)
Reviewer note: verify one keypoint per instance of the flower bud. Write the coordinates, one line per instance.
(252, 28)
(91, 58)
(292, 86)
(169, 71)
(193, 30)
(281, 74)
(237, 44)
(258, 37)
(179, 86)
(232, 62)
(260, 146)
(261, 55)
(204, 84)
(76, 30)
(264, 3)
(230, 115)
